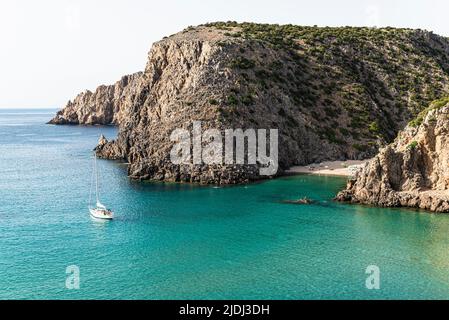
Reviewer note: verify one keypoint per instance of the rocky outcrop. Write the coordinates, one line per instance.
(411, 172)
(107, 105)
(333, 93)
(108, 150)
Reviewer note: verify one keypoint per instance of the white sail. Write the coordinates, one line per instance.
(100, 205)
(96, 178)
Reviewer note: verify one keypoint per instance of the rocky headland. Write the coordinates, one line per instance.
(413, 171)
(333, 94)
(107, 105)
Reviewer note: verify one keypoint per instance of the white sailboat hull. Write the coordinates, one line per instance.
(101, 213)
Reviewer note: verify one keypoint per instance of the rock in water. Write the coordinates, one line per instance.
(411, 172)
(102, 141)
(304, 200)
(108, 150)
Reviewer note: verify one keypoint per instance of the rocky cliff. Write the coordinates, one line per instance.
(411, 172)
(333, 93)
(107, 105)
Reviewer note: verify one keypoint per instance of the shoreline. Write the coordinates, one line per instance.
(346, 168)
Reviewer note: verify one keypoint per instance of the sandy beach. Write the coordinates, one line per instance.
(332, 168)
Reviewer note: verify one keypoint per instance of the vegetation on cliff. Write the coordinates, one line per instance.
(369, 81)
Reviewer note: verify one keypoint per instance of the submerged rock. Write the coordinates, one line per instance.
(304, 200)
(411, 172)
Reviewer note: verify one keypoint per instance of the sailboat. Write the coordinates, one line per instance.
(99, 211)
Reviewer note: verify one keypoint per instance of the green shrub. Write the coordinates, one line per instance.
(248, 100)
(437, 104)
(262, 74)
(344, 131)
(374, 127)
(282, 112)
(412, 145)
(360, 147)
(242, 63)
(232, 99)
(330, 112)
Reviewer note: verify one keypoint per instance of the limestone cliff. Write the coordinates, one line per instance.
(411, 172)
(333, 93)
(107, 105)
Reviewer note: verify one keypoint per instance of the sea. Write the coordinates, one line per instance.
(183, 241)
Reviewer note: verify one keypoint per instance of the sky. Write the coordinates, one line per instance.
(50, 50)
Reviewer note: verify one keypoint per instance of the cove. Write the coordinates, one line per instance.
(180, 241)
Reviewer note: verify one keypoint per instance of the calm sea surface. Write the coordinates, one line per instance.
(182, 241)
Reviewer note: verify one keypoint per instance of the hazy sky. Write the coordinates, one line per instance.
(50, 50)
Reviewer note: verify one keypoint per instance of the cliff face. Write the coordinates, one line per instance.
(411, 172)
(333, 93)
(186, 79)
(107, 105)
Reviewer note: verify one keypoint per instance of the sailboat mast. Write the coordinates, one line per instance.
(96, 177)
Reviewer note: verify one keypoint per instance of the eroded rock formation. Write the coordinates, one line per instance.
(107, 105)
(411, 172)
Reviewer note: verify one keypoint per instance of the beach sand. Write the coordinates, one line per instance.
(332, 168)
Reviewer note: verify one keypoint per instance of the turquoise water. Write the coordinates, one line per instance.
(173, 241)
